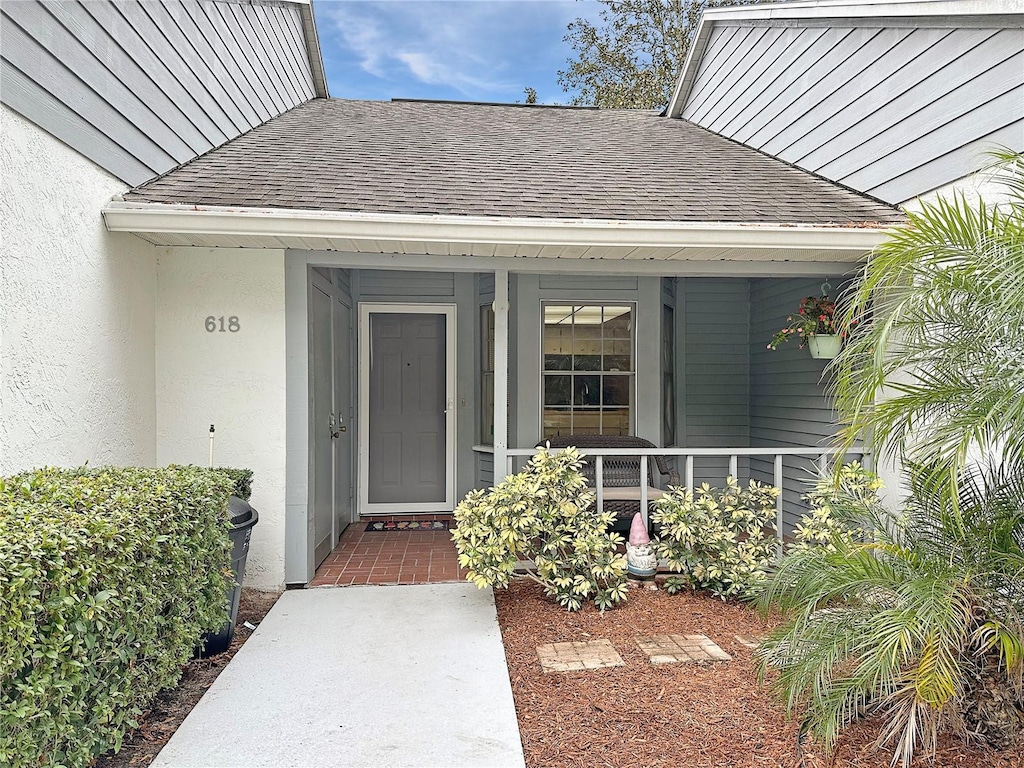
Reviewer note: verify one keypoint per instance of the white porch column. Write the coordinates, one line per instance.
(501, 308)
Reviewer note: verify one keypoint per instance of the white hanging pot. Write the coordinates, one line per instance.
(824, 346)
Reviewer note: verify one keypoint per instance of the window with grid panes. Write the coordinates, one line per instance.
(588, 376)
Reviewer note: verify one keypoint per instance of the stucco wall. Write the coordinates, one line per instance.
(76, 312)
(234, 380)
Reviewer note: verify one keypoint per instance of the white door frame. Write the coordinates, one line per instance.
(448, 310)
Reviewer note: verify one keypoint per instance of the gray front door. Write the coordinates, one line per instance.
(407, 409)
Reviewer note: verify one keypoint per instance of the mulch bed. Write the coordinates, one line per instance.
(172, 706)
(713, 716)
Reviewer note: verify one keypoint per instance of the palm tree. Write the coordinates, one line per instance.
(936, 374)
(921, 620)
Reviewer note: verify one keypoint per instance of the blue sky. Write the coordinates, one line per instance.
(476, 50)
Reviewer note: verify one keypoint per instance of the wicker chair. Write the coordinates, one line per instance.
(620, 475)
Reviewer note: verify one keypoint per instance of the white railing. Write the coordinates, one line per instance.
(821, 456)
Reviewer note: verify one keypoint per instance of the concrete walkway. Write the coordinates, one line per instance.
(361, 676)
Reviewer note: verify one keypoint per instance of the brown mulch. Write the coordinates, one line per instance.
(171, 707)
(645, 716)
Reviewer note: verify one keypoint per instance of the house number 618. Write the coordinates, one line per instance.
(218, 324)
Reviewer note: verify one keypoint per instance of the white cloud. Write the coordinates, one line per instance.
(476, 48)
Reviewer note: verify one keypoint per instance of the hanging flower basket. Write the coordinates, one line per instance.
(824, 346)
(815, 326)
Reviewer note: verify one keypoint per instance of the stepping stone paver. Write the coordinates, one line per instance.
(570, 657)
(681, 649)
(747, 640)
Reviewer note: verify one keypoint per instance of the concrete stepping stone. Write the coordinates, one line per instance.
(681, 649)
(748, 641)
(570, 657)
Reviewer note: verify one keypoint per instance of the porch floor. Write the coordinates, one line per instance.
(394, 557)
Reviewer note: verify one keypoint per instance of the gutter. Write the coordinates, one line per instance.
(121, 216)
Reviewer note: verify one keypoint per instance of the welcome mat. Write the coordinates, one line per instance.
(407, 525)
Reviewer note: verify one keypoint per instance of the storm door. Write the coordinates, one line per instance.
(407, 378)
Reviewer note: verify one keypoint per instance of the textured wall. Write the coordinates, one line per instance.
(76, 312)
(233, 380)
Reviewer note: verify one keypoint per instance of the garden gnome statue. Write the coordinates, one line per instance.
(641, 562)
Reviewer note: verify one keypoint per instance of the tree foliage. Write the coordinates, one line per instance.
(922, 623)
(935, 374)
(632, 57)
(922, 620)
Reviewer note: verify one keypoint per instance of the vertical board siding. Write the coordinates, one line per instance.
(715, 377)
(891, 111)
(788, 405)
(140, 88)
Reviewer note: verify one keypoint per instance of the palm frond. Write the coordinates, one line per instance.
(936, 365)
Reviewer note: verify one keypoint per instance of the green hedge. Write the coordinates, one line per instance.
(108, 577)
(242, 478)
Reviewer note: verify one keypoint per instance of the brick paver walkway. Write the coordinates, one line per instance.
(571, 657)
(394, 557)
(680, 649)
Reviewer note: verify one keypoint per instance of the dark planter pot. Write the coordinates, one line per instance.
(243, 518)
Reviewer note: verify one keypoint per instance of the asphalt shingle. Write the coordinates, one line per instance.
(493, 160)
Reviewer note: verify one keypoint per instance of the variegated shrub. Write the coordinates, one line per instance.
(545, 514)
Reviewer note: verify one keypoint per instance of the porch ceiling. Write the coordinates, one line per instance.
(502, 237)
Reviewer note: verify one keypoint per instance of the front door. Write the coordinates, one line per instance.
(407, 409)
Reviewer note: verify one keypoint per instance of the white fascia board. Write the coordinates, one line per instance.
(375, 228)
(851, 9)
(823, 10)
(312, 41)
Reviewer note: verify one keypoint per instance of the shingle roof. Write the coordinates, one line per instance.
(493, 160)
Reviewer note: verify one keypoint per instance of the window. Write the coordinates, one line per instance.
(588, 377)
(487, 375)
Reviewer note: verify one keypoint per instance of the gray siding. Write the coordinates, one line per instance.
(788, 405)
(484, 470)
(407, 286)
(891, 111)
(713, 354)
(140, 88)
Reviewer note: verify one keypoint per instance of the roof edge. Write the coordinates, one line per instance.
(811, 11)
(122, 216)
(313, 52)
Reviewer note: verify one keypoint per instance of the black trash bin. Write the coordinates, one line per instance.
(243, 518)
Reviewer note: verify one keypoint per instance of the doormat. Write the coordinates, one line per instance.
(407, 525)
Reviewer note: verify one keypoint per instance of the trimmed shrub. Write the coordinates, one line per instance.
(242, 479)
(721, 540)
(545, 514)
(821, 526)
(108, 577)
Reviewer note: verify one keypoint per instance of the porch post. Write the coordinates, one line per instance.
(501, 308)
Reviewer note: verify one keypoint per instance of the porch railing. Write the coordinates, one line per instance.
(821, 456)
